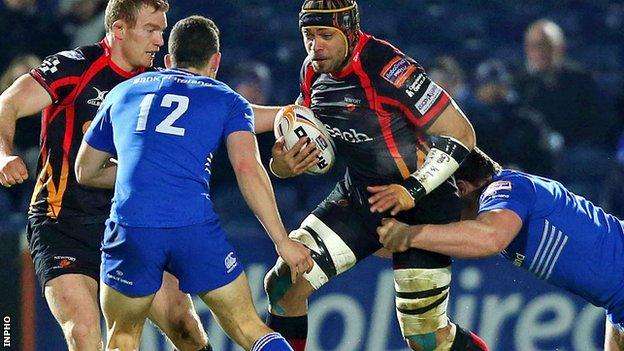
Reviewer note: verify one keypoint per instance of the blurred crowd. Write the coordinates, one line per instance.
(542, 81)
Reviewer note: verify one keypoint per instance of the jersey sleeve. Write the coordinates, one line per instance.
(60, 73)
(513, 194)
(241, 117)
(403, 84)
(100, 133)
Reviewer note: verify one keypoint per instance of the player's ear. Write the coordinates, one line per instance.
(214, 62)
(168, 61)
(463, 187)
(119, 29)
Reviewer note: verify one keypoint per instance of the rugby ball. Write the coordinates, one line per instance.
(294, 122)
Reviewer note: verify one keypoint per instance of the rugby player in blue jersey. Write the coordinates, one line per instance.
(163, 128)
(537, 224)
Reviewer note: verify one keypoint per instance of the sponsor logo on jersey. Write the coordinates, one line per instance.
(492, 190)
(429, 98)
(97, 101)
(518, 260)
(413, 88)
(499, 185)
(119, 278)
(352, 103)
(230, 262)
(351, 100)
(397, 71)
(351, 135)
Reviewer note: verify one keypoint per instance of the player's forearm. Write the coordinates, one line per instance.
(8, 115)
(455, 140)
(93, 168)
(103, 178)
(258, 193)
(264, 117)
(25, 97)
(465, 239)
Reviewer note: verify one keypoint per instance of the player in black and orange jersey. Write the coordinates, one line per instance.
(401, 137)
(66, 220)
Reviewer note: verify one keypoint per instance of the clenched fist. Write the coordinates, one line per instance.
(12, 171)
(394, 235)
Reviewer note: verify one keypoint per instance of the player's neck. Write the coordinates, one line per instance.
(117, 56)
(206, 71)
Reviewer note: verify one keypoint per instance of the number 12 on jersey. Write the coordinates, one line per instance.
(166, 126)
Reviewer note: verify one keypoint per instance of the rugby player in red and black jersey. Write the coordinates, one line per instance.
(66, 220)
(401, 137)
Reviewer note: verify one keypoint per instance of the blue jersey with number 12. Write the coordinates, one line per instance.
(164, 128)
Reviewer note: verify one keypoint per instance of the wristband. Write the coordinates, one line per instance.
(415, 188)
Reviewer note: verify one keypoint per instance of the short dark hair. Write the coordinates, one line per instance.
(193, 40)
(128, 10)
(477, 167)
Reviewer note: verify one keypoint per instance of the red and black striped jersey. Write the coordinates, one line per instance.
(77, 80)
(376, 110)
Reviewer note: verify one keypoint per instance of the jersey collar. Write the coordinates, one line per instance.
(355, 55)
(122, 72)
(183, 71)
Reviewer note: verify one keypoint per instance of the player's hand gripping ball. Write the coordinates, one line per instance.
(294, 122)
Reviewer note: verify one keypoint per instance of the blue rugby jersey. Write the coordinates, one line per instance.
(164, 128)
(565, 239)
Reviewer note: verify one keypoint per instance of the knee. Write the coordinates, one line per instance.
(82, 335)
(285, 298)
(277, 282)
(280, 289)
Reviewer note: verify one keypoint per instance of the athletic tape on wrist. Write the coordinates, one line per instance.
(442, 161)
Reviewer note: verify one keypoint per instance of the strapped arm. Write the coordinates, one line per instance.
(442, 161)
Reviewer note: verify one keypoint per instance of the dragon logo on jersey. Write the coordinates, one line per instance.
(64, 262)
(230, 262)
(97, 101)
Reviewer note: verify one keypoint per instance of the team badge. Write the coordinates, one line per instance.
(230, 262)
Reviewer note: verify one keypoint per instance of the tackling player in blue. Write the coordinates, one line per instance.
(536, 223)
(163, 128)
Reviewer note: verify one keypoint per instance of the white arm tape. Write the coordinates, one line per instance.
(438, 166)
